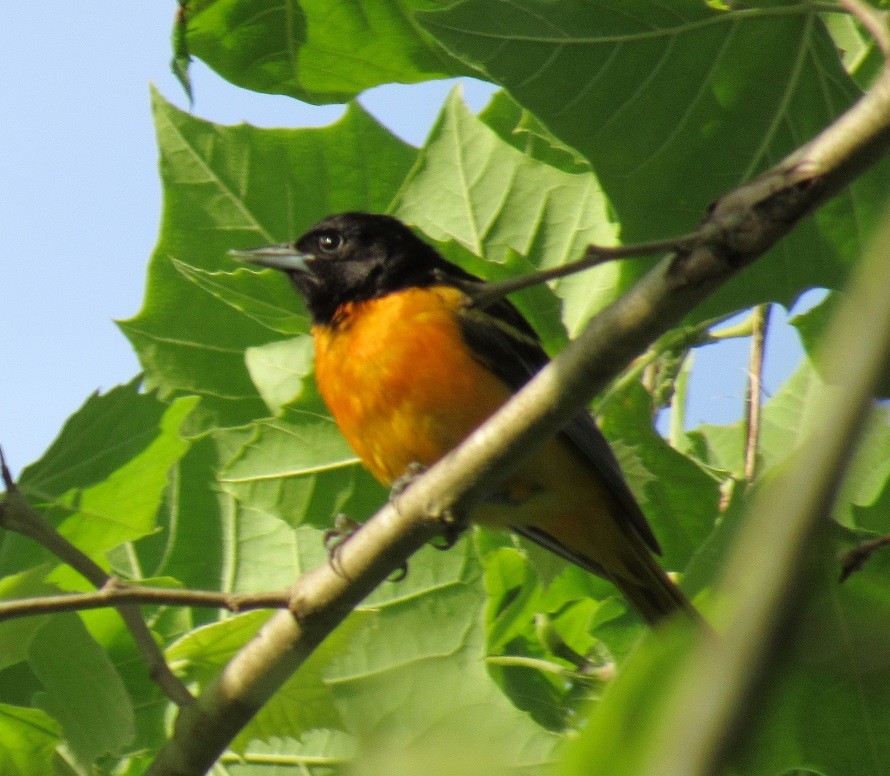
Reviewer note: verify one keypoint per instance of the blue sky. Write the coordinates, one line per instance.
(81, 203)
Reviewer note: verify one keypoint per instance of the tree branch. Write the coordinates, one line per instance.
(754, 393)
(116, 592)
(17, 515)
(748, 221)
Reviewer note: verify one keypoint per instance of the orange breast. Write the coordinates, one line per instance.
(399, 380)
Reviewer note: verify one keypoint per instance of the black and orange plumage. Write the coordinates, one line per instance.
(408, 367)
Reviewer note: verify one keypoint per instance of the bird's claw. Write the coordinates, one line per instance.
(400, 573)
(343, 530)
(401, 484)
(334, 539)
(449, 536)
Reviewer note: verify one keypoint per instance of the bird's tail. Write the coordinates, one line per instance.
(651, 591)
(635, 572)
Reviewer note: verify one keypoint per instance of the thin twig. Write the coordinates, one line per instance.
(754, 393)
(876, 22)
(116, 592)
(16, 514)
(853, 560)
(485, 294)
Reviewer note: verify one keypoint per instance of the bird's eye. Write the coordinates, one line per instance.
(328, 242)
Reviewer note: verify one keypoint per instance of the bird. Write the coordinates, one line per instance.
(409, 366)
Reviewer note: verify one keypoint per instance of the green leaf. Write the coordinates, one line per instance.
(293, 468)
(536, 630)
(783, 416)
(15, 635)
(471, 187)
(613, 741)
(518, 127)
(194, 521)
(82, 689)
(827, 702)
(679, 498)
(811, 325)
(28, 739)
(513, 598)
(239, 187)
(266, 297)
(722, 448)
(314, 50)
(413, 683)
(102, 479)
(182, 59)
(674, 105)
(320, 751)
(371, 680)
(274, 475)
(282, 371)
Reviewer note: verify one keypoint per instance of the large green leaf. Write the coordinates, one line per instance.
(102, 480)
(673, 105)
(678, 497)
(297, 470)
(316, 50)
(413, 686)
(81, 688)
(194, 522)
(237, 187)
(473, 188)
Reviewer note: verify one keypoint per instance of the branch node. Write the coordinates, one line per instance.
(113, 585)
(296, 605)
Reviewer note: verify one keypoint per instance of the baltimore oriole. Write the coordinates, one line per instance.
(408, 367)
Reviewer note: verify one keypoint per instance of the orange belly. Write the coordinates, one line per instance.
(402, 399)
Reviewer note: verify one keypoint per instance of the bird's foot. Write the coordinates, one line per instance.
(450, 533)
(402, 484)
(334, 539)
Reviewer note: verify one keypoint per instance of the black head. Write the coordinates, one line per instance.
(353, 257)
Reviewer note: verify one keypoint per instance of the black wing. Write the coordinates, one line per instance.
(505, 343)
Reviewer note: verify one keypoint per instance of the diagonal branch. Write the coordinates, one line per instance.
(747, 221)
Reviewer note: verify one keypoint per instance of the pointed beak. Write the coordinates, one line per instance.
(283, 257)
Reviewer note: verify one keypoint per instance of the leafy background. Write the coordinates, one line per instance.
(220, 468)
